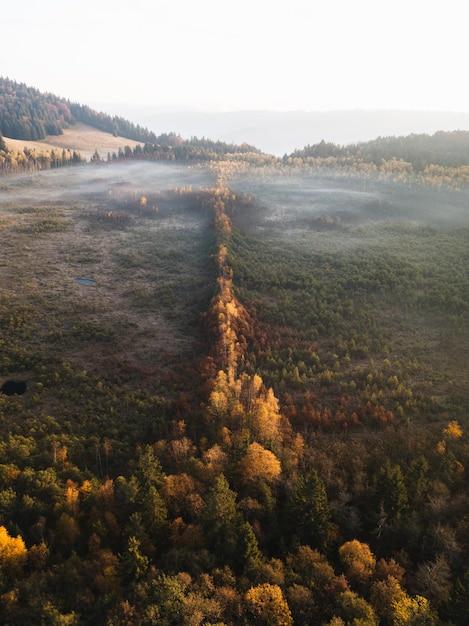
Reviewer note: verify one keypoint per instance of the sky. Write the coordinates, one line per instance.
(225, 55)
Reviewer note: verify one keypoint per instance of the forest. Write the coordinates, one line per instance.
(234, 391)
(26, 113)
(449, 149)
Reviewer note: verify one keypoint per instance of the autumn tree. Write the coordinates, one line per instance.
(181, 495)
(265, 604)
(13, 554)
(354, 610)
(385, 596)
(259, 464)
(359, 562)
(310, 579)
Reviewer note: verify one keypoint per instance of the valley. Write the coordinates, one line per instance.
(237, 374)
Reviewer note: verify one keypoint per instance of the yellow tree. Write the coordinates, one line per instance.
(259, 464)
(411, 611)
(265, 416)
(13, 553)
(267, 605)
(358, 560)
(385, 596)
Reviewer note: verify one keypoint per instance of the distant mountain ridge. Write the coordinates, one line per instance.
(281, 133)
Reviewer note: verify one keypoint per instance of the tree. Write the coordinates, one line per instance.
(414, 612)
(259, 464)
(266, 416)
(13, 553)
(266, 605)
(310, 568)
(417, 479)
(453, 431)
(354, 610)
(302, 605)
(95, 157)
(385, 596)
(391, 493)
(221, 519)
(248, 554)
(395, 607)
(458, 607)
(163, 600)
(308, 512)
(180, 492)
(134, 564)
(358, 560)
(151, 479)
(67, 531)
(433, 579)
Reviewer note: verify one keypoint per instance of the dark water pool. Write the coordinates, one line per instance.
(85, 281)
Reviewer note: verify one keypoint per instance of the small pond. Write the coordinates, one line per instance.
(13, 387)
(85, 281)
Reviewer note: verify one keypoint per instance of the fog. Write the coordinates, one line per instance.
(280, 203)
(292, 204)
(91, 182)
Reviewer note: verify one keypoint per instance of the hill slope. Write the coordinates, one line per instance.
(28, 114)
(42, 122)
(81, 137)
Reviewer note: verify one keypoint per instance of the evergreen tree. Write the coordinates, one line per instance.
(391, 492)
(309, 514)
(221, 519)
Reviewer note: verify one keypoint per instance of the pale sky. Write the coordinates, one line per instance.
(243, 54)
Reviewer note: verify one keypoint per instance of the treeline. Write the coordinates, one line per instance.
(115, 125)
(171, 147)
(447, 149)
(26, 113)
(30, 160)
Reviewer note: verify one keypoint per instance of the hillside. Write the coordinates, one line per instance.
(43, 131)
(28, 114)
(447, 149)
(80, 137)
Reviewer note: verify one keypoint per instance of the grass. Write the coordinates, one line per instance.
(149, 275)
(375, 311)
(81, 137)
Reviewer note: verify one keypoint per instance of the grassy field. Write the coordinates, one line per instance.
(81, 137)
(362, 290)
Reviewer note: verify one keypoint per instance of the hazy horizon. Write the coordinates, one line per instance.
(279, 133)
(248, 56)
